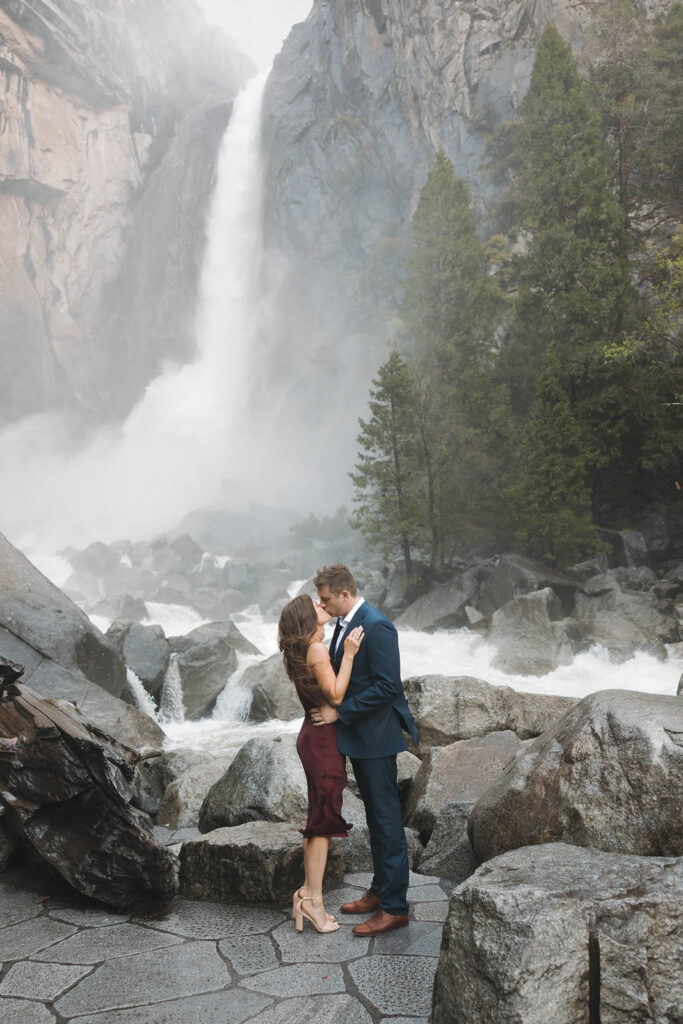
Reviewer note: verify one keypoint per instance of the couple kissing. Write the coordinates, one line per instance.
(354, 707)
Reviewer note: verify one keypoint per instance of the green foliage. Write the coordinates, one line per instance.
(387, 477)
(550, 497)
(575, 280)
(543, 384)
(451, 307)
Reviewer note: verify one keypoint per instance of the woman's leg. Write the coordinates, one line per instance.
(315, 859)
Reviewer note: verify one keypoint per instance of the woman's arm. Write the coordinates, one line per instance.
(334, 687)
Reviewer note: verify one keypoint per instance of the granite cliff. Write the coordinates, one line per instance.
(360, 99)
(111, 114)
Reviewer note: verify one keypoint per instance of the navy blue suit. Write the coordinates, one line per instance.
(372, 718)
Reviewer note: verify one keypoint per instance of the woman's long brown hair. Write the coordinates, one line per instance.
(298, 622)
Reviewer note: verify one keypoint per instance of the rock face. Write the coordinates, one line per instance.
(448, 709)
(105, 121)
(557, 934)
(265, 781)
(41, 617)
(358, 103)
(608, 774)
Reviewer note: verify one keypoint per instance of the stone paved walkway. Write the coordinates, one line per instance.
(64, 959)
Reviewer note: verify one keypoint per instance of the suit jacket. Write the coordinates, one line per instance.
(374, 711)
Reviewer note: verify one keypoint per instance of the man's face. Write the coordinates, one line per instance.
(335, 604)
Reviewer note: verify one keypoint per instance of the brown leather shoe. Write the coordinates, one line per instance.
(381, 922)
(365, 905)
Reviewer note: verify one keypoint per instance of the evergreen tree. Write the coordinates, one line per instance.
(575, 289)
(550, 499)
(387, 481)
(450, 310)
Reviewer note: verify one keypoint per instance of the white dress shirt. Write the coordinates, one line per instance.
(344, 623)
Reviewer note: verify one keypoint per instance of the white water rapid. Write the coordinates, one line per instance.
(449, 653)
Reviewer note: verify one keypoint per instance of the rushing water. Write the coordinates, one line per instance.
(448, 653)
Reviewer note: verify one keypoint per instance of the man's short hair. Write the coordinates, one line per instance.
(337, 578)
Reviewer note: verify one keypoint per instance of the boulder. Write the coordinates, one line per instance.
(273, 693)
(448, 708)
(608, 774)
(461, 771)
(171, 764)
(34, 611)
(623, 622)
(449, 853)
(513, 576)
(127, 723)
(145, 649)
(554, 933)
(98, 558)
(65, 788)
(206, 658)
(257, 862)
(265, 782)
(183, 798)
(442, 607)
(529, 636)
(407, 767)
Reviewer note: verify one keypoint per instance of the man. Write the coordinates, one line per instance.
(372, 718)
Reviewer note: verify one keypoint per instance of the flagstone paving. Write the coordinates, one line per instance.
(64, 959)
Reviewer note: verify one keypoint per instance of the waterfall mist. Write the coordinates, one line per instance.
(198, 437)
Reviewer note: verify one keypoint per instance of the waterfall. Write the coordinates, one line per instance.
(183, 445)
(143, 699)
(171, 707)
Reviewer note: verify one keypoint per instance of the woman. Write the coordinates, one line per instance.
(308, 665)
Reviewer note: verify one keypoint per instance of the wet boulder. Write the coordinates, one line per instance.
(449, 708)
(66, 790)
(460, 771)
(554, 933)
(273, 693)
(144, 649)
(622, 619)
(532, 637)
(205, 660)
(265, 782)
(608, 774)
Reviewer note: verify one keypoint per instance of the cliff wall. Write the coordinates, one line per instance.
(111, 114)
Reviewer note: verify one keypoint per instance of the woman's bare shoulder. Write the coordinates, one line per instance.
(317, 652)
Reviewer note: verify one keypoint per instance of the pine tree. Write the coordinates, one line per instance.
(575, 290)
(550, 499)
(450, 310)
(388, 493)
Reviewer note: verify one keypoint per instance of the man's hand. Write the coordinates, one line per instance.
(324, 715)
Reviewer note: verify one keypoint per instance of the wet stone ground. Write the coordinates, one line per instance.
(64, 959)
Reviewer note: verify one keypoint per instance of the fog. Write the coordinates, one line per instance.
(257, 26)
(191, 441)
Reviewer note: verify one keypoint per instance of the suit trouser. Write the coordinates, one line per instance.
(378, 786)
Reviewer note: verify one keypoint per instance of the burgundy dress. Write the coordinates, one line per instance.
(326, 777)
